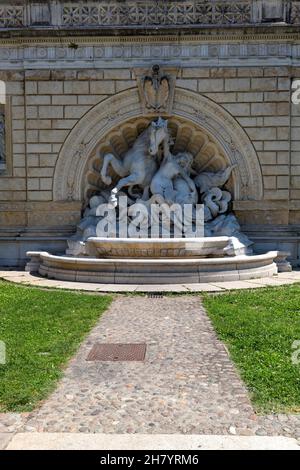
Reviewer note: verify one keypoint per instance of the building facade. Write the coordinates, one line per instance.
(70, 91)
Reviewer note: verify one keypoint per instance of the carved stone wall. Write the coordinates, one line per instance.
(54, 102)
(157, 13)
(110, 52)
(295, 12)
(142, 13)
(226, 143)
(233, 88)
(12, 16)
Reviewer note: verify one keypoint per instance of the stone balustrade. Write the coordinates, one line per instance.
(121, 14)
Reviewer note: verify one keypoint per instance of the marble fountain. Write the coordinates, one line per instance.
(150, 175)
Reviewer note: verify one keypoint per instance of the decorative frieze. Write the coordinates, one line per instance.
(101, 53)
(295, 13)
(156, 13)
(12, 16)
(143, 13)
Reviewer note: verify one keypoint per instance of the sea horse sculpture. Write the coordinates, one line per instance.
(139, 164)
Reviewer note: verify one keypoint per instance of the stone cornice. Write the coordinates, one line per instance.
(288, 36)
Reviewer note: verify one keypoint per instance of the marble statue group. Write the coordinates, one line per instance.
(150, 173)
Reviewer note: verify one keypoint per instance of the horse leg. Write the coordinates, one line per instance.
(118, 167)
(146, 194)
(128, 181)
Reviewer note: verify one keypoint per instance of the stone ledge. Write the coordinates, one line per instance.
(5, 437)
(143, 271)
(88, 441)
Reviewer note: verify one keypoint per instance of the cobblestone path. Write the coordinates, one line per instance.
(187, 383)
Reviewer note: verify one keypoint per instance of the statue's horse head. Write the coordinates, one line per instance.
(158, 133)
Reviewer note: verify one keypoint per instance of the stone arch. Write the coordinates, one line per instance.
(94, 132)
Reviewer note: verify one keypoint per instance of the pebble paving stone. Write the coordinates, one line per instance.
(187, 383)
(12, 422)
(34, 279)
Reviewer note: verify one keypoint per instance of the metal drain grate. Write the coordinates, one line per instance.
(117, 352)
(155, 295)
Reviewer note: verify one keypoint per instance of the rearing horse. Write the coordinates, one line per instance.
(139, 165)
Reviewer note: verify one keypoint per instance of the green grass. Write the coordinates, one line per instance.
(259, 328)
(42, 330)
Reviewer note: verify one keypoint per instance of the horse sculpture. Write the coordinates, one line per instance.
(139, 164)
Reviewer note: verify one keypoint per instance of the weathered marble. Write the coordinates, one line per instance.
(151, 177)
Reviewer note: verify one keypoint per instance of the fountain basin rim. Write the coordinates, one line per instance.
(160, 240)
(152, 271)
(160, 248)
(240, 259)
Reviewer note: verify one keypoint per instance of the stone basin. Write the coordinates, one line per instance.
(152, 271)
(157, 247)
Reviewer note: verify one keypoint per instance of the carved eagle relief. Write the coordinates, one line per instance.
(156, 90)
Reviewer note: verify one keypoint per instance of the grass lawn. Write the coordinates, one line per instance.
(42, 330)
(259, 328)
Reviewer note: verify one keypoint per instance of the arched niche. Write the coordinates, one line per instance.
(197, 124)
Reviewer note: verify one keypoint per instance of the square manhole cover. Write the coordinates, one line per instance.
(117, 352)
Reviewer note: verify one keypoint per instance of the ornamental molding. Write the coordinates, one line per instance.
(76, 160)
(156, 87)
(223, 36)
(139, 52)
(60, 14)
(295, 13)
(161, 13)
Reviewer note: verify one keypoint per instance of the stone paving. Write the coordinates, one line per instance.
(22, 277)
(12, 422)
(187, 383)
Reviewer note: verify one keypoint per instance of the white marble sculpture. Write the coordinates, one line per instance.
(140, 162)
(172, 180)
(151, 174)
(208, 180)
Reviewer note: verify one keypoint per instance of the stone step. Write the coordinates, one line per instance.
(91, 441)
